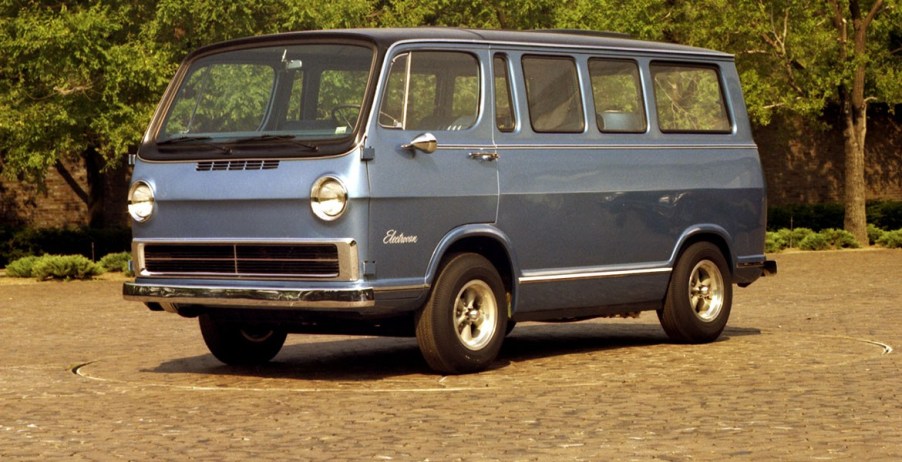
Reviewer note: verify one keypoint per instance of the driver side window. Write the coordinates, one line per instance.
(431, 90)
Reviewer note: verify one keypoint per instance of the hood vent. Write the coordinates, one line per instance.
(236, 165)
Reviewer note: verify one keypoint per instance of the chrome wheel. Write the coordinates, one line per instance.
(475, 314)
(706, 291)
(699, 297)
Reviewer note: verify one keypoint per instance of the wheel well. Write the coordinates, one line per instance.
(490, 249)
(715, 239)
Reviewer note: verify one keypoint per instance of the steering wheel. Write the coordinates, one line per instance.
(342, 116)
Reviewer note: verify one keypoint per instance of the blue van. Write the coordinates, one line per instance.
(446, 184)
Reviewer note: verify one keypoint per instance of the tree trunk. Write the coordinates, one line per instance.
(855, 195)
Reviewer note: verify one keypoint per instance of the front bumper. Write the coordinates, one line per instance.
(168, 295)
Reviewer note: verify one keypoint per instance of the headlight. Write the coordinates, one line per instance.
(328, 198)
(140, 201)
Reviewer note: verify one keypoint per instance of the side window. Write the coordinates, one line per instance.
(617, 92)
(552, 94)
(431, 90)
(504, 102)
(689, 99)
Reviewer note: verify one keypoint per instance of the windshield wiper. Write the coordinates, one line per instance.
(194, 141)
(291, 139)
(184, 139)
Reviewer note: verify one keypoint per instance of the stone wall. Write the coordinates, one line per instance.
(803, 161)
(58, 205)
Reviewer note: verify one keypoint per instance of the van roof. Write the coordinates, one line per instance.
(386, 37)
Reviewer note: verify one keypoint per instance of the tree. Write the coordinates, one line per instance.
(802, 56)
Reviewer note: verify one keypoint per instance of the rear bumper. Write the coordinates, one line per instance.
(169, 295)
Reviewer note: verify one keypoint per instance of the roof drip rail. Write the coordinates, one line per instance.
(587, 33)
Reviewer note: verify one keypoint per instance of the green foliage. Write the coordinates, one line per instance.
(116, 262)
(87, 242)
(840, 239)
(885, 214)
(54, 267)
(815, 242)
(891, 239)
(22, 267)
(874, 233)
(806, 239)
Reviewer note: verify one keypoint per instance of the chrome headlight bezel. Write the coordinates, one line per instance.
(328, 198)
(141, 203)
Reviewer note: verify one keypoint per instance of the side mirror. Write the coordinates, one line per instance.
(424, 143)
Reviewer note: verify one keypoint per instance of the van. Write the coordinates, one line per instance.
(446, 184)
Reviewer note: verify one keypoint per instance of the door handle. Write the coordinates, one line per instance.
(484, 156)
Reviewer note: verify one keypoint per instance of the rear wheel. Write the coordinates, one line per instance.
(462, 325)
(239, 345)
(699, 296)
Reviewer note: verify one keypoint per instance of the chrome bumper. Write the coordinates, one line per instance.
(248, 297)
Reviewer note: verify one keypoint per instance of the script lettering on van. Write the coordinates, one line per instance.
(393, 237)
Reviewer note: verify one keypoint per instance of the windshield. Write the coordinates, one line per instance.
(298, 93)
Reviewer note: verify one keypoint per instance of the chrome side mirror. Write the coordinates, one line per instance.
(424, 143)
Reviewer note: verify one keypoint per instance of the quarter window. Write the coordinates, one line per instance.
(689, 99)
(617, 92)
(504, 106)
(552, 94)
(431, 90)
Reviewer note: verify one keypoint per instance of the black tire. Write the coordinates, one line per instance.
(462, 326)
(699, 297)
(240, 346)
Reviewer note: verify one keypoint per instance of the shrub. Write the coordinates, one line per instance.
(65, 267)
(874, 233)
(840, 239)
(891, 239)
(22, 267)
(885, 214)
(815, 242)
(88, 242)
(774, 242)
(116, 262)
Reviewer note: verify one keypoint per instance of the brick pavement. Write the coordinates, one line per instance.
(802, 373)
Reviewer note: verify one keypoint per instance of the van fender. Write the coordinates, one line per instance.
(705, 232)
(452, 242)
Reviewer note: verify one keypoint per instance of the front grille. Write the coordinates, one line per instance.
(229, 260)
(232, 165)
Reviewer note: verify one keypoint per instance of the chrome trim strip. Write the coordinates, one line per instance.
(603, 147)
(530, 277)
(250, 297)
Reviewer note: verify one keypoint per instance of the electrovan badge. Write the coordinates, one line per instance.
(393, 237)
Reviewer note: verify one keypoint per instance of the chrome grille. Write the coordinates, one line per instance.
(236, 165)
(230, 260)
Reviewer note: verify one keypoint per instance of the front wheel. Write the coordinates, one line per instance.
(699, 296)
(238, 345)
(462, 325)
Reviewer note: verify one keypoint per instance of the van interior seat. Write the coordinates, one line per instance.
(617, 121)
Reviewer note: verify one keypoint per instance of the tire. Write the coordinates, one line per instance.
(699, 297)
(240, 346)
(462, 326)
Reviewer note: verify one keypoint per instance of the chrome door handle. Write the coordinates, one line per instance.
(484, 156)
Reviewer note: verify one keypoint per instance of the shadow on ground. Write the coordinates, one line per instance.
(377, 358)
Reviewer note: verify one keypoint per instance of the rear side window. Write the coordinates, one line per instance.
(552, 94)
(617, 92)
(431, 90)
(689, 99)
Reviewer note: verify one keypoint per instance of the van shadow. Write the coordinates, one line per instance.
(378, 358)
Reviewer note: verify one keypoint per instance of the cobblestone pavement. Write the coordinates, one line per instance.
(805, 371)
